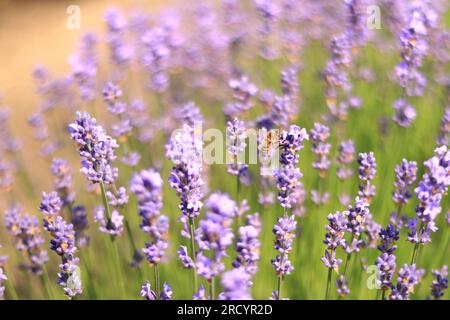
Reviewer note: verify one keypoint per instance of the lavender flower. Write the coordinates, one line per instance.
(443, 137)
(430, 191)
(63, 180)
(334, 238)
(290, 143)
(147, 185)
(342, 286)
(235, 285)
(243, 91)
(319, 135)
(408, 278)
(386, 264)
(184, 149)
(284, 231)
(63, 243)
(28, 239)
(200, 294)
(183, 255)
(112, 226)
(80, 224)
(367, 170)
(148, 294)
(405, 176)
(248, 245)
(236, 136)
(96, 149)
(440, 283)
(345, 157)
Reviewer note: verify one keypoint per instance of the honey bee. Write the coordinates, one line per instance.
(269, 143)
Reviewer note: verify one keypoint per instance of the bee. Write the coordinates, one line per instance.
(270, 142)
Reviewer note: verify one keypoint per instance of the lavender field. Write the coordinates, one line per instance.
(230, 150)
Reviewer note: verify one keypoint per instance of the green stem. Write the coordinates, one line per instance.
(105, 202)
(118, 266)
(327, 292)
(414, 255)
(211, 289)
(157, 285)
(193, 253)
(383, 294)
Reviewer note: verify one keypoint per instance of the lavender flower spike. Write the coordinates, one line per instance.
(430, 191)
(2, 277)
(95, 147)
(367, 170)
(63, 243)
(440, 283)
(236, 285)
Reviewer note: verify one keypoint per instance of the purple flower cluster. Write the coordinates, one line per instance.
(431, 189)
(345, 157)
(357, 216)
(334, 238)
(147, 185)
(63, 243)
(367, 170)
(405, 176)
(443, 138)
(148, 294)
(79, 220)
(185, 151)
(386, 263)
(414, 46)
(63, 180)
(440, 282)
(408, 278)
(284, 231)
(319, 136)
(248, 245)
(236, 136)
(215, 235)
(287, 176)
(96, 149)
(235, 285)
(243, 92)
(112, 225)
(28, 239)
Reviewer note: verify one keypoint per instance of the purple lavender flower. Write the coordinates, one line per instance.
(120, 52)
(345, 157)
(184, 149)
(386, 264)
(200, 294)
(290, 143)
(80, 223)
(248, 246)
(84, 67)
(269, 14)
(342, 286)
(405, 176)
(28, 239)
(63, 180)
(147, 185)
(443, 137)
(334, 238)
(112, 226)
(183, 255)
(356, 222)
(440, 283)
(367, 171)
(430, 191)
(284, 231)
(404, 113)
(235, 285)
(243, 91)
(63, 243)
(319, 135)
(236, 136)
(408, 278)
(147, 292)
(96, 149)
